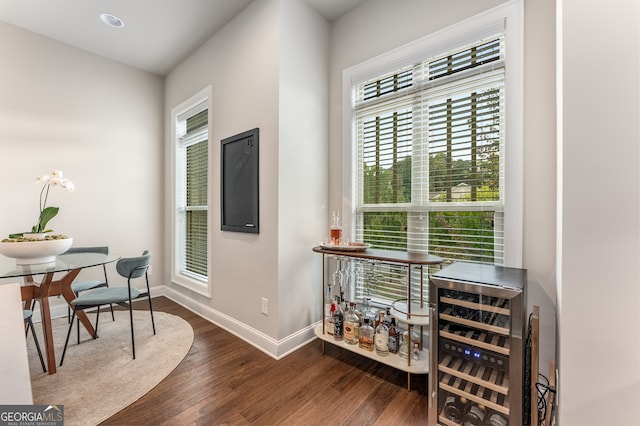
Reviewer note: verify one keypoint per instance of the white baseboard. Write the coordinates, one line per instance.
(275, 348)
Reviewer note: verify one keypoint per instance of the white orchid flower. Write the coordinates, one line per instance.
(66, 183)
(43, 179)
(55, 178)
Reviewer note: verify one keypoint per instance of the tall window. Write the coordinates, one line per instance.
(191, 196)
(434, 166)
(429, 143)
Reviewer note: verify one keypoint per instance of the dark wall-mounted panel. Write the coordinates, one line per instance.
(239, 182)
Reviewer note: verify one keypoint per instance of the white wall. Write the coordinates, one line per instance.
(539, 251)
(98, 121)
(252, 65)
(599, 212)
(241, 64)
(302, 163)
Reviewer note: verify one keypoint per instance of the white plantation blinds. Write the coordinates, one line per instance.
(192, 204)
(429, 155)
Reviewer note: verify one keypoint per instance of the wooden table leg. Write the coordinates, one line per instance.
(69, 295)
(43, 297)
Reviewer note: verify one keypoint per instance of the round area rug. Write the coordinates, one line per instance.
(99, 377)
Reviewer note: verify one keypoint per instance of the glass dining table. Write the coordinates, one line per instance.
(41, 282)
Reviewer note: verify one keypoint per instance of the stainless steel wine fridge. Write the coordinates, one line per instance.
(478, 328)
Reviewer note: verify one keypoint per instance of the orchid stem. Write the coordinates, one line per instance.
(42, 206)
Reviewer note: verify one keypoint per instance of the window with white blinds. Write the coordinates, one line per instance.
(191, 193)
(429, 155)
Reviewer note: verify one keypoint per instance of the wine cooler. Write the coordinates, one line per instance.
(477, 345)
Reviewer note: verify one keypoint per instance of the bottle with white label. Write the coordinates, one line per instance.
(351, 326)
(382, 339)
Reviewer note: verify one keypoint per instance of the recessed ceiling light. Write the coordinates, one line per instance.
(112, 20)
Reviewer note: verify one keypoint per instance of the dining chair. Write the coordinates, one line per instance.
(79, 286)
(129, 268)
(27, 314)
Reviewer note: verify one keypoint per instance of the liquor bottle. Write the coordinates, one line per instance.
(379, 319)
(351, 326)
(415, 354)
(358, 313)
(387, 317)
(358, 316)
(394, 337)
(366, 336)
(474, 414)
(496, 419)
(415, 337)
(329, 324)
(335, 232)
(404, 345)
(328, 302)
(382, 339)
(453, 409)
(338, 321)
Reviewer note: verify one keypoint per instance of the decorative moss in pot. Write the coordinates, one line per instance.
(29, 251)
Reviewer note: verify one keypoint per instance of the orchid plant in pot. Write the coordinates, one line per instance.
(38, 246)
(39, 230)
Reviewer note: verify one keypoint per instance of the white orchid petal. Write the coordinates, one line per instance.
(66, 183)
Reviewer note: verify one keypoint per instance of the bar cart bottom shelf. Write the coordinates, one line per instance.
(412, 366)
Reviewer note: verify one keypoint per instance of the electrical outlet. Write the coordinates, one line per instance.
(265, 306)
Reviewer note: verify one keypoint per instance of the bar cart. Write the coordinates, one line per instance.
(412, 311)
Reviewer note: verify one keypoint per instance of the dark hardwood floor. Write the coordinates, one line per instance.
(224, 380)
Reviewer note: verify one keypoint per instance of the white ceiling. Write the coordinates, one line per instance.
(158, 34)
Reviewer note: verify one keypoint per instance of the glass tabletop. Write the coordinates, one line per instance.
(64, 262)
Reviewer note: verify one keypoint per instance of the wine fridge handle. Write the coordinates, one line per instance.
(433, 358)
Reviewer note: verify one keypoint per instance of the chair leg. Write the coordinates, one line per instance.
(96, 327)
(133, 341)
(66, 342)
(35, 340)
(106, 280)
(153, 324)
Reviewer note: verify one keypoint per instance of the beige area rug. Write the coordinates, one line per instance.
(100, 377)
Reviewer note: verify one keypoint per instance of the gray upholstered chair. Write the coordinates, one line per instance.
(27, 314)
(130, 268)
(79, 286)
